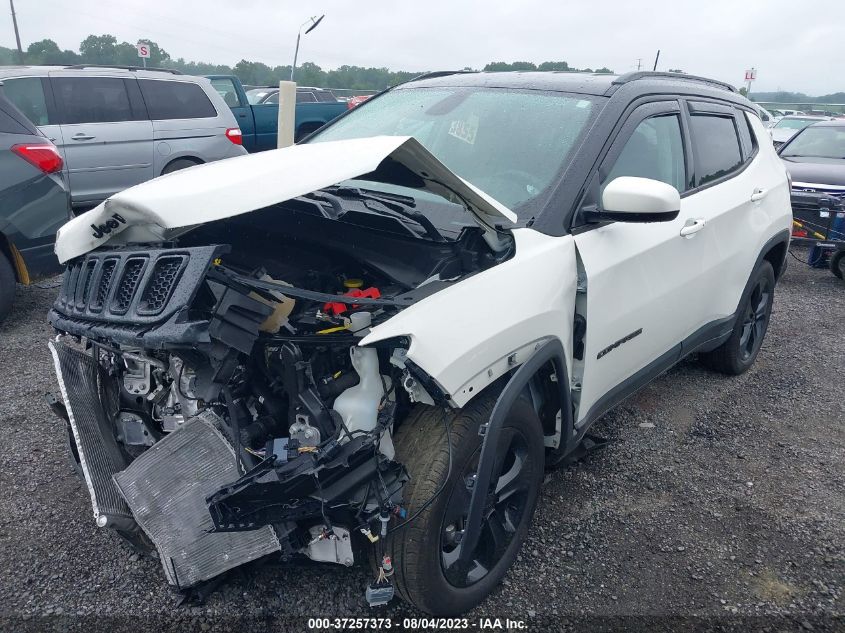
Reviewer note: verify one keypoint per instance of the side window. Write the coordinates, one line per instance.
(746, 134)
(92, 99)
(27, 93)
(9, 124)
(305, 97)
(175, 100)
(655, 150)
(715, 145)
(273, 98)
(226, 89)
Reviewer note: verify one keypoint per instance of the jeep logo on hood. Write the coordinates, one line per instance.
(108, 226)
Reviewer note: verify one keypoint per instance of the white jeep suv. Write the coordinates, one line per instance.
(370, 345)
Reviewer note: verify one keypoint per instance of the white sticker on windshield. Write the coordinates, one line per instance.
(582, 104)
(465, 130)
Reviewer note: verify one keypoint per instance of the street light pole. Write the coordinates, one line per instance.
(17, 35)
(313, 21)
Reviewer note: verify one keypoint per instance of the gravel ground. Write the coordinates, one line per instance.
(719, 503)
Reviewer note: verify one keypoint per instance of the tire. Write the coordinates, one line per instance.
(179, 163)
(837, 263)
(7, 287)
(738, 353)
(420, 549)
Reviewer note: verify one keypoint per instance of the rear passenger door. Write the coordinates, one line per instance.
(728, 189)
(106, 135)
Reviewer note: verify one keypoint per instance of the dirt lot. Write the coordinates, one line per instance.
(720, 502)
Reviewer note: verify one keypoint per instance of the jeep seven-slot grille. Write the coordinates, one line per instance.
(129, 288)
(128, 284)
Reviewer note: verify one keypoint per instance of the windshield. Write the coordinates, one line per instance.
(794, 124)
(509, 143)
(256, 95)
(819, 142)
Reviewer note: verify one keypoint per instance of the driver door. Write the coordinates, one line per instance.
(643, 290)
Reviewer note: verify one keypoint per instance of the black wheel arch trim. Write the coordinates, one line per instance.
(551, 350)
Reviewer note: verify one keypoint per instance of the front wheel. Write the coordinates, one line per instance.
(738, 353)
(425, 551)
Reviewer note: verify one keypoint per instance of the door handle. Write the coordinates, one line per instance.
(81, 137)
(759, 194)
(692, 227)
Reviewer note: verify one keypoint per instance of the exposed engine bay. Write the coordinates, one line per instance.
(218, 401)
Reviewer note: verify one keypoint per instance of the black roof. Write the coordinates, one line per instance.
(599, 84)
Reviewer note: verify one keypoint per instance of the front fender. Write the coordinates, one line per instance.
(471, 333)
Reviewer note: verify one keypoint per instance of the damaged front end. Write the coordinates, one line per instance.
(219, 403)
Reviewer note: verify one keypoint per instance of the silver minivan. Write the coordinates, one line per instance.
(117, 127)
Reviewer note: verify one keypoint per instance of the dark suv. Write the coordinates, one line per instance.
(34, 203)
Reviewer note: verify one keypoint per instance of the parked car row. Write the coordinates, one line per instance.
(115, 128)
(258, 113)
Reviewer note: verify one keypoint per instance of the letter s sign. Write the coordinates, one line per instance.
(143, 50)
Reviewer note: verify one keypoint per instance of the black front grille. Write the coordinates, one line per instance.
(133, 287)
(160, 286)
(131, 275)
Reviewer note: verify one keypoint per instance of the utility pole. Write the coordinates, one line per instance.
(639, 63)
(656, 57)
(17, 35)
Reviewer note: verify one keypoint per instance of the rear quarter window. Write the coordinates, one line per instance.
(27, 94)
(8, 125)
(746, 134)
(175, 100)
(715, 145)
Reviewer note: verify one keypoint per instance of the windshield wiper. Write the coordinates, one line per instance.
(395, 204)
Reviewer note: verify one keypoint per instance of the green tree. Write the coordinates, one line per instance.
(99, 49)
(560, 66)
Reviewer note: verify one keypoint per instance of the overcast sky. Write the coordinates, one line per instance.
(794, 45)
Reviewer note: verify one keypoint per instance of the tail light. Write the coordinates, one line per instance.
(234, 134)
(45, 156)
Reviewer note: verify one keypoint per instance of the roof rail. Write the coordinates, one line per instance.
(172, 71)
(648, 74)
(440, 73)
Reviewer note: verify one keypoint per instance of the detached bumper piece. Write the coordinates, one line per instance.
(166, 489)
(88, 409)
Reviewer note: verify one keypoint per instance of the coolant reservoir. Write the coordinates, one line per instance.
(358, 405)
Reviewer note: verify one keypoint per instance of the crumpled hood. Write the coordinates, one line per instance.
(156, 210)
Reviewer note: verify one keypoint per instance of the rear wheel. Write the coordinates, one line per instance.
(179, 163)
(738, 353)
(837, 263)
(425, 552)
(7, 287)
